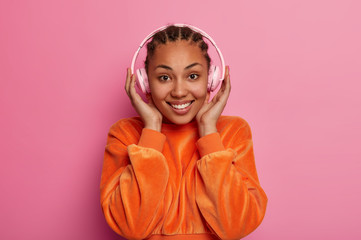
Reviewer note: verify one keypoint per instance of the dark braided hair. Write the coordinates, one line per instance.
(172, 34)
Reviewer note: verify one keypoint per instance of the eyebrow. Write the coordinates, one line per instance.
(169, 68)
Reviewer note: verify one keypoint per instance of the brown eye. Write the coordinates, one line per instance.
(164, 78)
(193, 76)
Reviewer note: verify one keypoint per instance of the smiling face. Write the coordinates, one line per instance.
(178, 74)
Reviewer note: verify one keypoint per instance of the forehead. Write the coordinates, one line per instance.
(178, 52)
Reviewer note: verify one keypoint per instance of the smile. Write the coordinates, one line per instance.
(180, 106)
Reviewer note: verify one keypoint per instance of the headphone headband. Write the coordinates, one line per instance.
(195, 29)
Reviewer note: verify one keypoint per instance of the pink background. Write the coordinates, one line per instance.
(295, 71)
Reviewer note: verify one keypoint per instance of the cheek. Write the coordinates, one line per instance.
(200, 90)
(158, 93)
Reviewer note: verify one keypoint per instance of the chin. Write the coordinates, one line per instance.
(179, 120)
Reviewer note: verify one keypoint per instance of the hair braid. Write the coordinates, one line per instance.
(172, 34)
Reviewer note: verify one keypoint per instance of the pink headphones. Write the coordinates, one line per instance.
(214, 77)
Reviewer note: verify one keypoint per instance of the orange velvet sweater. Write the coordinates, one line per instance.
(174, 185)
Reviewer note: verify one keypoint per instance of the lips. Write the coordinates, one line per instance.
(180, 107)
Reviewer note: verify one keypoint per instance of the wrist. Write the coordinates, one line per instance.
(207, 129)
(154, 126)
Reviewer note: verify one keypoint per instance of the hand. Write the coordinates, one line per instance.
(209, 113)
(148, 112)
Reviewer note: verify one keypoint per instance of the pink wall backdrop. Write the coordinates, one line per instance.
(295, 70)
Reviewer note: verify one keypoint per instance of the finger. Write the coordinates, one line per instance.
(208, 104)
(223, 98)
(127, 82)
(133, 93)
(219, 93)
(225, 87)
(228, 81)
(225, 80)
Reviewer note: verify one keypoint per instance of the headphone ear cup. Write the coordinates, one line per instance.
(210, 77)
(142, 80)
(214, 78)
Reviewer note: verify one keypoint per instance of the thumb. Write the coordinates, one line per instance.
(207, 97)
(150, 100)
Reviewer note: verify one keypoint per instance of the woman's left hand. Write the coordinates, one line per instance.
(208, 115)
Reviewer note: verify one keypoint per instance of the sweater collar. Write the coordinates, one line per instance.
(169, 127)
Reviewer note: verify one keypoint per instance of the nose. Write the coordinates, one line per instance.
(179, 89)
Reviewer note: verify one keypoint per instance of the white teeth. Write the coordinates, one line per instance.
(181, 106)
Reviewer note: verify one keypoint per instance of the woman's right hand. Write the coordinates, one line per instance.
(148, 112)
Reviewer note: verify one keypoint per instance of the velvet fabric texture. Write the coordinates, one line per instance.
(174, 185)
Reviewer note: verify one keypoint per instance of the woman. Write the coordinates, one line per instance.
(180, 170)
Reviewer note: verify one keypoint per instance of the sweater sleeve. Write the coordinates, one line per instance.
(228, 192)
(133, 183)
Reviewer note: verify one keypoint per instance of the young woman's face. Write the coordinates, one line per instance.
(178, 74)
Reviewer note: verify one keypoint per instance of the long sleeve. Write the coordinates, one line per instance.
(228, 192)
(134, 179)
